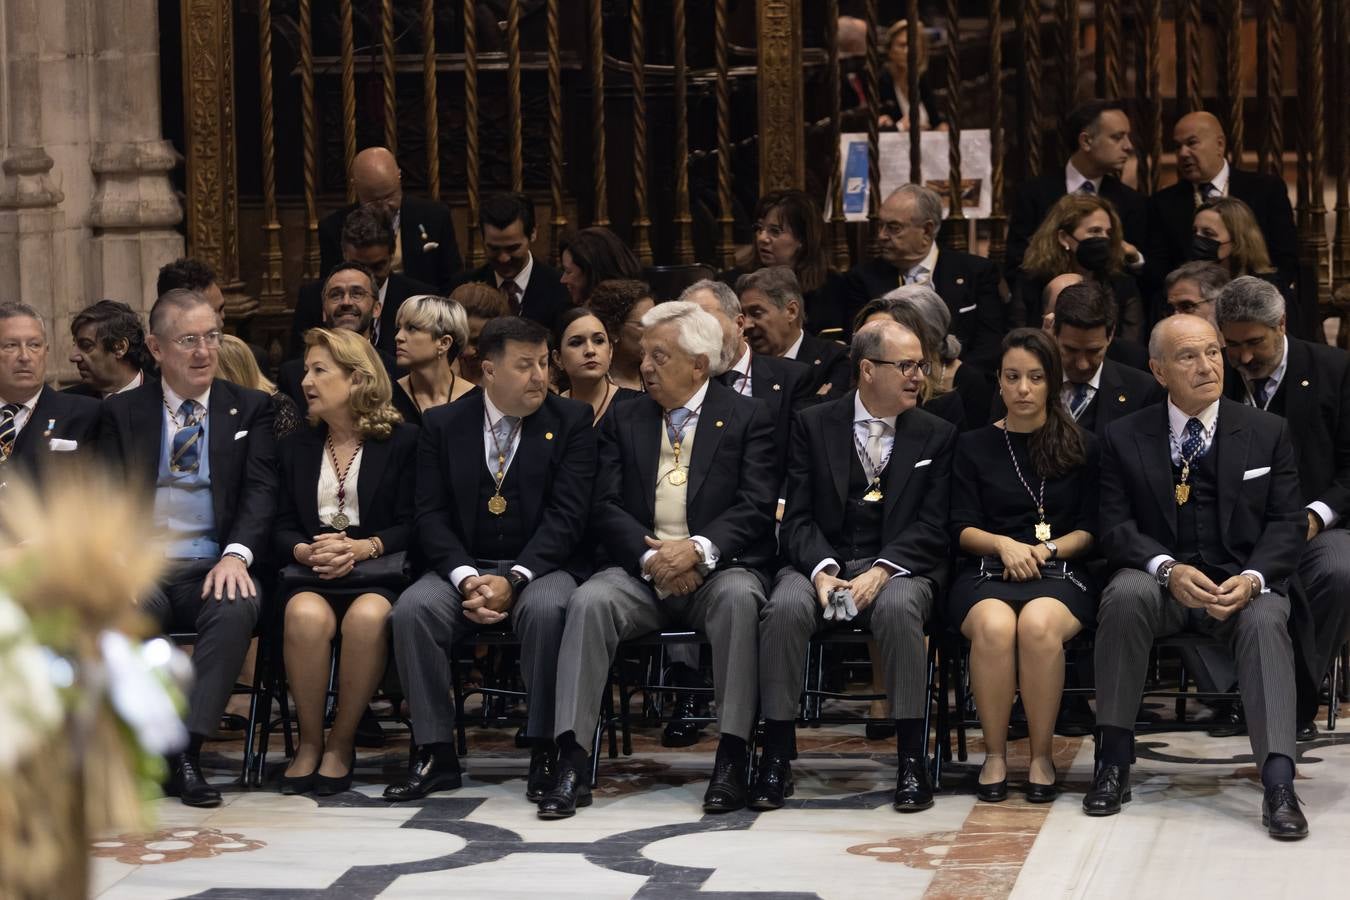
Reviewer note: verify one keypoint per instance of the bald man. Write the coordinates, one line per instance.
(425, 251)
(1204, 173)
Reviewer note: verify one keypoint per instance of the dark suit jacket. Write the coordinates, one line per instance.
(827, 362)
(554, 466)
(384, 489)
(545, 297)
(1172, 210)
(1121, 391)
(241, 447)
(1034, 198)
(968, 284)
(436, 266)
(1314, 397)
(57, 416)
(309, 310)
(915, 525)
(781, 385)
(1261, 517)
(732, 492)
(292, 373)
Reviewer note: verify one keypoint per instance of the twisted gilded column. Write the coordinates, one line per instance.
(1270, 86)
(1030, 89)
(388, 71)
(871, 97)
(684, 238)
(600, 214)
(915, 98)
(1313, 129)
(475, 250)
(1188, 56)
(558, 222)
(642, 224)
(1232, 80)
(997, 221)
(309, 139)
(1110, 80)
(348, 94)
(725, 221)
(1067, 20)
(1151, 89)
(513, 94)
(957, 238)
(272, 293)
(429, 105)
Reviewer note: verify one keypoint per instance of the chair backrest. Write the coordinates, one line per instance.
(667, 282)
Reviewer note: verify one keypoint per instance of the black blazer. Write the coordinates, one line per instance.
(545, 297)
(292, 372)
(732, 491)
(1122, 391)
(1033, 199)
(827, 363)
(968, 284)
(556, 460)
(422, 222)
(1261, 518)
(1314, 397)
(309, 310)
(58, 416)
(781, 385)
(384, 489)
(241, 447)
(917, 480)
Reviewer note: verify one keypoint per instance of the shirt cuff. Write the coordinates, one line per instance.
(459, 573)
(895, 570)
(1329, 518)
(1155, 562)
(710, 554)
(1259, 577)
(826, 563)
(642, 564)
(529, 576)
(243, 551)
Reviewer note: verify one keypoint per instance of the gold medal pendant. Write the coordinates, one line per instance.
(1183, 493)
(1042, 531)
(677, 477)
(496, 504)
(340, 521)
(874, 495)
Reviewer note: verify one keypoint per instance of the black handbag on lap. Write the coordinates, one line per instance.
(390, 571)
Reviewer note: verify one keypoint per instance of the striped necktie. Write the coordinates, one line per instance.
(9, 428)
(186, 454)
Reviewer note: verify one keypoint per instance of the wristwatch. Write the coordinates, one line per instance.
(1165, 573)
(238, 556)
(701, 567)
(1053, 548)
(517, 581)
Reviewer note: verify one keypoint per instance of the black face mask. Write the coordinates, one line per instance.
(1094, 254)
(1205, 249)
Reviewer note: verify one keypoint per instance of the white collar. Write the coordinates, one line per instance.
(1220, 181)
(136, 381)
(927, 265)
(1209, 418)
(175, 402)
(696, 401)
(494, 414)
(1074, 179)
(522, 278)
(30, 404)
(742, 363)
(1277, 376)
(1096, 380)
(796, 348)
(860, 413)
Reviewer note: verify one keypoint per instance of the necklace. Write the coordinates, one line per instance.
(873, 470)
(1182, 492)
(497, 503)
(678, 475)
(340, 521)
(604, 404)
(1043, 532)
(422, 408)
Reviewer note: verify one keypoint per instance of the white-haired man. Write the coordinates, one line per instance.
(683, 513)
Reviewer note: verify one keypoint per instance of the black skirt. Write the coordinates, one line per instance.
(1078, 592)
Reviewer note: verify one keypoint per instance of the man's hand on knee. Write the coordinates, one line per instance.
(228, 580)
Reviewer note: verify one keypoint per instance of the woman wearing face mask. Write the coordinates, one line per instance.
(1081, 234)
(1224, 231)
(582, 354)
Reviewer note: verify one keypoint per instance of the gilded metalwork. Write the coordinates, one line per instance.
(272, 293)
(956, 218)
(475, 250)
(1030, 106)
(781, 117)
(997, 222)
(600, 215)
(1188, 57)
(871, 97)
(641, 222)
(387, 75)
(1110, 80)
(1232, 80)
(348, 95)
(309, 140)
(1313, 128)
(513, 94)
(555, 132)
(725, 221)
(429, 104)
(684, 239)
(912, 90)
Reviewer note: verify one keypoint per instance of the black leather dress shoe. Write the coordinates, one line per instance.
(994, 792)
(680, 731)
(1306, 732)
(1110, 788)
(543, 773)
(301, 784)
(432, 773)
(573, 790)
(1281, 815)
(187, 783)
(773, 783)
(726, 792)
(1229, 721)
(913, 787)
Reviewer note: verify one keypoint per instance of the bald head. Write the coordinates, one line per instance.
(1200, 147)
(376, 178)
(1050, 296)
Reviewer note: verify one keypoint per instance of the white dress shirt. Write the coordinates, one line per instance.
(796, 348)
(522, 278)
(922, 271)
(1074, 180)
(25, 412)
(328, 490)
(742, 367)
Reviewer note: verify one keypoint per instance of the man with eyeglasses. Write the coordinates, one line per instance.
(867, 498)
(38, 425)
(910, 218)
(1193, 288)
(200, 450)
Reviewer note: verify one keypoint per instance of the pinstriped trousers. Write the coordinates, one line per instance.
(1135, 610)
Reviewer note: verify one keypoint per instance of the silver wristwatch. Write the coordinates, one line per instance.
(1053, 548)
(1165, 573)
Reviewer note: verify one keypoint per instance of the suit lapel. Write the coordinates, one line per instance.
(1231, 443)
(146, 426)
(1299, 384)
(37, 423)
(534, 456)
(644, 429)
(910, 436)
(1155, 458)
(839, 445)
(467, 459)
(1109, 389)
(223, 417)
(712, 419)
(763, 384)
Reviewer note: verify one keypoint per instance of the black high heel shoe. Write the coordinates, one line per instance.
(301, 784)
(993, 792)
(1042, 793)
(324, 786)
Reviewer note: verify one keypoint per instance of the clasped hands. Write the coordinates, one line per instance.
(673, 567)
(1192, 588)
(487, 598)
(865, 587)
(333, 554)
(1021, 562)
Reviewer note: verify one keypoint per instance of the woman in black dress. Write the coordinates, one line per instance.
(581, 354)
(432, 332)
(1024, 506)
(344, 519)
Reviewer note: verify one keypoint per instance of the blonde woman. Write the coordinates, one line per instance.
(1224, 231)
(432, 333)
(344, 521)
(236, 363)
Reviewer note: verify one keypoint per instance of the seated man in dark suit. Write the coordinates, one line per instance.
(503, 494)
(1204, 173)
(1101, 147)
(910, 218)
(351, 300)
(771, 299)
(367, 238)
(200, 451)
(867, 498)
(110, 352)
(1309, 385)
(1201, 516)
(533, 288)
(38, 425)
(1193, 288)
(683, 514)
(424, 235)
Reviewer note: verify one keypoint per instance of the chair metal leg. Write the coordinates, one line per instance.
(928, 697)
(1334, 692)
(255, 693)
(457, 691)
(960, 659)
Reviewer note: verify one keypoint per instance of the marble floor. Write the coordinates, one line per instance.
(1193, 830)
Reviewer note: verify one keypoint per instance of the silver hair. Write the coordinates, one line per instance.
(699, 333)
(16, 310)
(927, 203)
(726, 297)
(1250, 299)
(778, 283)
(934, 311)
(1209, 277)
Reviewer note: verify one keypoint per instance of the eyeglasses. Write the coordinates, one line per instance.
(1187, 307)
(773, 231)
(190, 342)
(355, 292)
(906, 367)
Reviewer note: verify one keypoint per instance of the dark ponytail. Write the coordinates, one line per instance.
(1057, 446)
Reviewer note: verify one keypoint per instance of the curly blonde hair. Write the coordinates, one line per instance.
(1250, 255)
(370, 400)
(1046, 257)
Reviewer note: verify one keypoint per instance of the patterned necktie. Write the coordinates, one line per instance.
(512, 291)
(9, 428)
(502, 431)
(1080, 398)
(187, 440)
(1194, 439)
(676, 420)
(1202, 193)
(1086, 188)
(1259, 386)
(876, 429)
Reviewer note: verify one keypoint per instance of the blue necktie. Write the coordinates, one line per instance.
(187, 440)
(1080, 395)
(1194, 439)
(676, 420)
(9, 428)
(1086, 188)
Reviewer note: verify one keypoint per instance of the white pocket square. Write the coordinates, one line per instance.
(239, 434)
(923, 462)
(965, 309)
(1255, 473)
(63, 446)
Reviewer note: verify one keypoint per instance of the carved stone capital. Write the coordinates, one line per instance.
(27, 183)
(132, 186)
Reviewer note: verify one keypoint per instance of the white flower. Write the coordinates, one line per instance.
(30, 705)
(139, 688)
